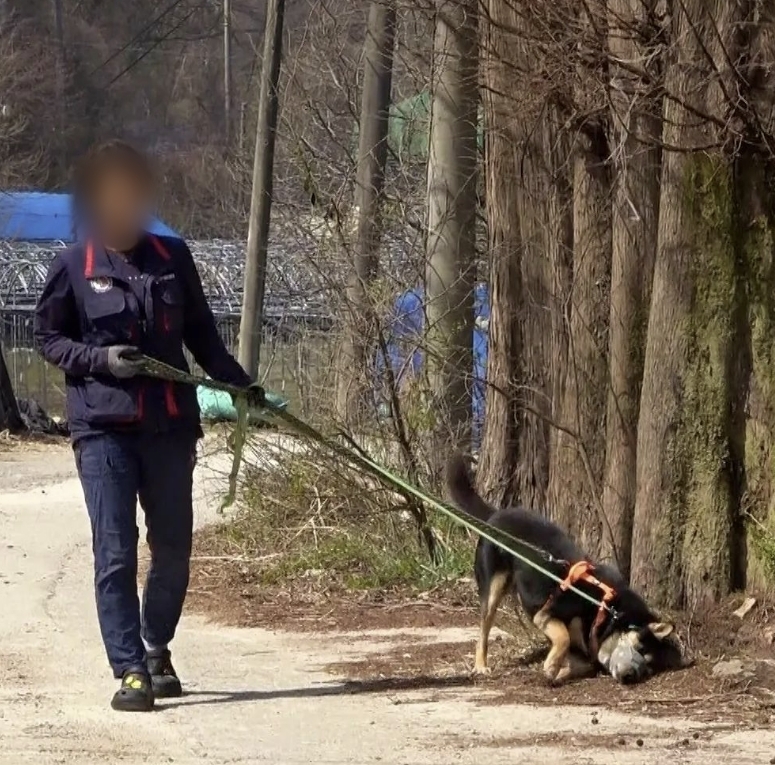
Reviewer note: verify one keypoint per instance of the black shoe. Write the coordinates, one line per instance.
(166, 684)
(135, 693)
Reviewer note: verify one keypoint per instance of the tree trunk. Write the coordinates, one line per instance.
(536, 318)
(685, 535)
(500, 454)
(580, 310)
(559, 254)
(636, 130)
(528, 203)
(757, 224)
(450, 265)
(10, 419)
(758, 248)
(352, 379)
(544, 210)
(227, 78)
(578, 450)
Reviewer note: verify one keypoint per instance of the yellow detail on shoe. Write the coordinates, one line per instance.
(134, 682)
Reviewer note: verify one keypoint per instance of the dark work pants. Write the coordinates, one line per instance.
(115, 469)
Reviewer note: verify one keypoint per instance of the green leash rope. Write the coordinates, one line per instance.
(153, 368)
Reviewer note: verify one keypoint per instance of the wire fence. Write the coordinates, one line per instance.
(297, 348)
(296, 360)
(296, 288)
(308, 263)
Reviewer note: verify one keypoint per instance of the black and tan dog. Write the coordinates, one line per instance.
(630, 647)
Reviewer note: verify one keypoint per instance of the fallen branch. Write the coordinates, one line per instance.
(235, 558)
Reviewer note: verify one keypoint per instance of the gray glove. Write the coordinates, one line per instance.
(124, 361)
(256, 396)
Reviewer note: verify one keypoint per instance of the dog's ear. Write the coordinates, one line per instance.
(661, 630)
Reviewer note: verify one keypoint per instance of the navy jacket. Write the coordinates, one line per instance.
(152, 300)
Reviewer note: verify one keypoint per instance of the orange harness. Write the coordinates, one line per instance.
(583, 572)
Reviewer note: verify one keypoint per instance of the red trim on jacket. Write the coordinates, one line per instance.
(88, 269)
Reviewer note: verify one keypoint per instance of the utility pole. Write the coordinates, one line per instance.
(227, 97)
(261, 197)
(59, 30)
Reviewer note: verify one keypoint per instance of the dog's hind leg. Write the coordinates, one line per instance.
(575, 668)
(491, 599)
(559, 637)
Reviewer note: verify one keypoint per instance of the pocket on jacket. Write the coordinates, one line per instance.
(104, 402)
(107, 313)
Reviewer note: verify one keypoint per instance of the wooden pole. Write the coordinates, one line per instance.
(60, 80)
(227, 94)
(261, 197)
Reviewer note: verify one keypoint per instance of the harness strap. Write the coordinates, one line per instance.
(582, 571)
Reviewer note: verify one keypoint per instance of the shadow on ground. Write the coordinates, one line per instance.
(348, 688)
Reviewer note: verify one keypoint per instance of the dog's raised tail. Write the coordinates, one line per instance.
(461, 489)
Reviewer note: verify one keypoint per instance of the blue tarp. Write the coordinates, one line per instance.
(404, 338)
(33, 216)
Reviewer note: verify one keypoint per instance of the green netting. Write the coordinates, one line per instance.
(409, 128)
(218, 406)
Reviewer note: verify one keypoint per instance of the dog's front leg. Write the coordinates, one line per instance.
(490, 600)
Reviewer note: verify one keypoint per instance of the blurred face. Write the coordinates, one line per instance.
(121, 205)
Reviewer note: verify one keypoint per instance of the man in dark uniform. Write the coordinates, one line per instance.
(120, 291)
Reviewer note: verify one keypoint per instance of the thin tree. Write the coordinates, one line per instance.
(370, 176)
(227, 77)
(261, 199)
(452, 162)
(578, 445)
(59, 29)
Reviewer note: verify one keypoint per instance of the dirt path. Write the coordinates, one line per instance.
(255, 696)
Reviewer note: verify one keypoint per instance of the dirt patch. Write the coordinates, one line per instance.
(670, 738)
(228, 589)
(696, 693)
(24, 443)
(692, 694)
(296, 608)
(226, 592)
(717, 633)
